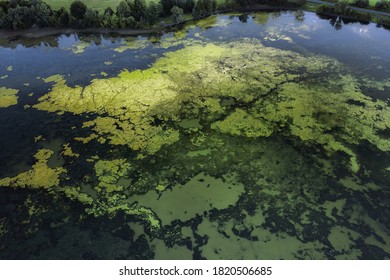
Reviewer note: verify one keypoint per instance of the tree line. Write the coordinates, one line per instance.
(135, 14)
(19, 14)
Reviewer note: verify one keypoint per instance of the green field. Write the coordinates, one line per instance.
(372, 2)
(95, 4)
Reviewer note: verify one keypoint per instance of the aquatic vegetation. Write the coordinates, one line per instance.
(261, 18)
(241, 123)
(202, 192)
(40, 176)
(111, 205)
(274, 35)
(178, 39)
(74, 193)
(109, 172)
(68, 152)
(54, 78)
(161, 188)
(134, 100)
(218, 149)
(39, 138)
(310, 113)
(206, 23)
(378, 85)
(132, 43)
(79, 47)
(8, 97)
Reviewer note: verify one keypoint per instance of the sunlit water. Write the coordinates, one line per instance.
(238, 157)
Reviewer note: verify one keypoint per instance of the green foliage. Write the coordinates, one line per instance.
(177, 14)
(78, 9)
(139, 10)
(383, 5)
(153, 12)
(18, 14)
(123, 9)
(186, 5)
(108, 11)
(271, 2)
(204, 8)
(361, 3)
(26, 14)
(63, 17)
(127, 22)
(341, 7)
(91, 18)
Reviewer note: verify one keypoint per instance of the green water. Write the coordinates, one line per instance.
(263, 138)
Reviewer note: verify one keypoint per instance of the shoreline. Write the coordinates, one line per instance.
(32, 33)
(51, 31)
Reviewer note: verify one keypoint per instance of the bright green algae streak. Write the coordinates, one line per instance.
(240, 91)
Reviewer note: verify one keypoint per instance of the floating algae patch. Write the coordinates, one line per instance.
(242, 123)
(79, 47)
(109, 173)
(183, 202)
(8, 97)
(280, 91)
(132, 44)
(128, 100)
(261, 18)
(285, 31)
(208, 22)
(374, 84)
(40, 176)
(178, 39)
(68, 152)
(53, 79)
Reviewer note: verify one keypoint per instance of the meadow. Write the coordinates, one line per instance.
(95, 4)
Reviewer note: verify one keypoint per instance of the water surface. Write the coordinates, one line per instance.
(238, 137)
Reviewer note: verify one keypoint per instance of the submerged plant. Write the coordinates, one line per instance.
(8, 97)
(40, 176)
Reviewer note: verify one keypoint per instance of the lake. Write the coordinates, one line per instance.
(260, 136)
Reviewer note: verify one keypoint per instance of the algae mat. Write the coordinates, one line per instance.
(208, 149)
